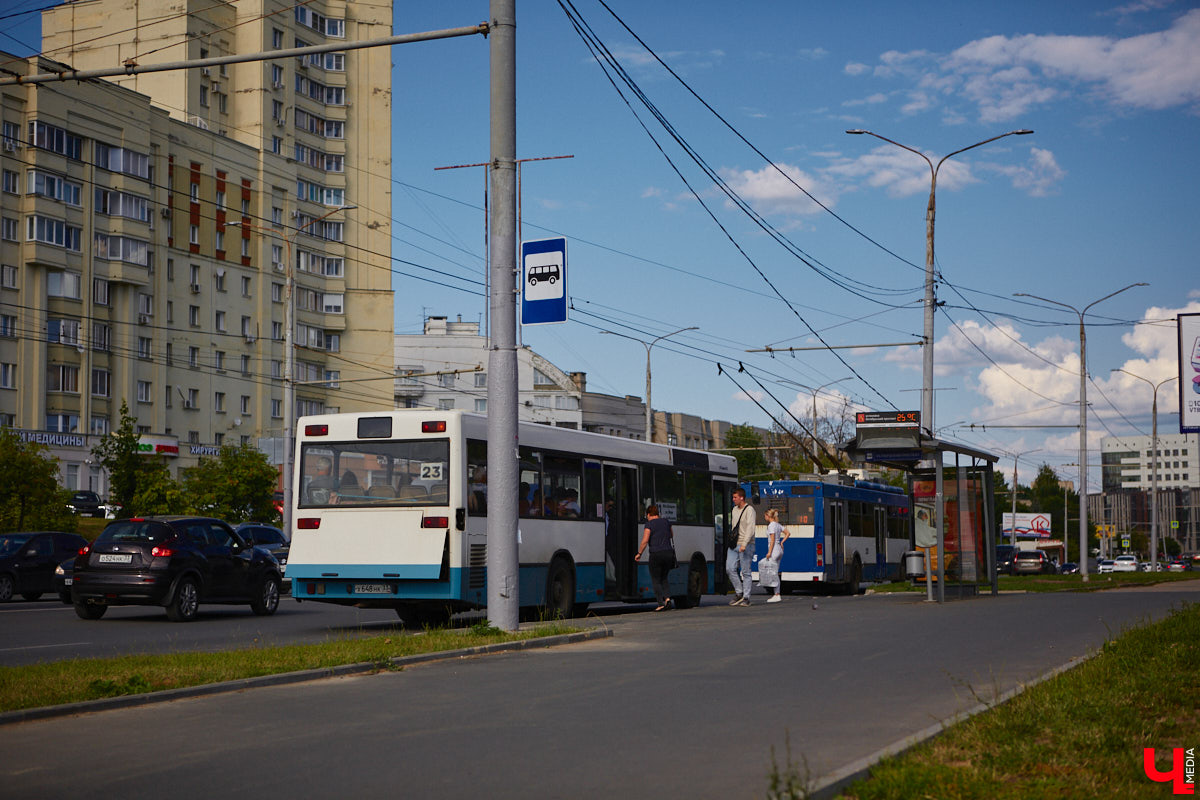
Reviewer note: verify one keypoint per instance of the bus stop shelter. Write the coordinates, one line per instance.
(954, 519)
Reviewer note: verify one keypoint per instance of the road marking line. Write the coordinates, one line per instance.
(41, 646)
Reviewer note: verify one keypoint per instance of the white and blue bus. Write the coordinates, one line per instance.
(842, 531)
(390, 511)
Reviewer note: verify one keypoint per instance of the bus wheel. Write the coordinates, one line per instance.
(560, 590)
(855, 577)
(695, 586)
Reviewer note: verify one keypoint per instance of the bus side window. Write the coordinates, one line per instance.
(476, 477)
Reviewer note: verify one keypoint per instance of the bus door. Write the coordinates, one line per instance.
(835, 540)
(723, 518)
(621, 534)
(881, 538)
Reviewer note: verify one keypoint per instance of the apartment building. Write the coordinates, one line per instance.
(149, 225)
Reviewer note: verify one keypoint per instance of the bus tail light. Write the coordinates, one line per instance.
(437, 426)
(315, 588)
(820, 555)
(316, 430)
(435, 522)
(308, 523)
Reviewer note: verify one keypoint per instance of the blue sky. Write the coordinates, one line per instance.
(1103, 194)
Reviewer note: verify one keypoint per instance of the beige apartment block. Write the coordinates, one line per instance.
(148, 228)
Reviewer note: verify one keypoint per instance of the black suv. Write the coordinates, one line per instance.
(176, 562)
(86, 504)
(1004, 559)
(27, 561)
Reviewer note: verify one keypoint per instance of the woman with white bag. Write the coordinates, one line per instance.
(768, 568)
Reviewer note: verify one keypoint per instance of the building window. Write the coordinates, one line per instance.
(193, 234)
(122, 204)
(481, 406)
(8, 229)
(56, 188)
(276, 39)
(221, 321)
(193, 357)
(247, 327)
(480, 380)
(100, 383)
(122, 248)
(194, 316)
(99, 426)
(277, 217)
(62, 378)
(118, 159)
(245, 407)
(193, 398)
(245, 365)
(276, 292)
(62, 423)
(276, 409)
(219, 278)
(99, 291)
(53, 231)
(219, 355)
(245, 285)
(8, 326)
(55, 139)
(101, 337)
(333, 303)
(8, 277)
(219, 402)
(446, 403)
(11, 183)
(8, 376)
(144, 344)
(276, 145)
(333, 379)
(62, 331)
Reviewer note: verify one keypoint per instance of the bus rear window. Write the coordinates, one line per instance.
(374, 473)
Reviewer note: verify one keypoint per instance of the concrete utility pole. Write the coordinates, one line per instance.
(1153, 463)
(930, 295)
(1083, 514)
(503, 600)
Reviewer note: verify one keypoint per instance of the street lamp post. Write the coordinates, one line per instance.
(930, 298)
(1153, 463)
(1013, 530)
(649, 412)
(289, 355)
(1083, 514)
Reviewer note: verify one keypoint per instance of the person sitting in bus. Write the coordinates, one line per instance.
(523, 499)
(322, 489)
(568, 505)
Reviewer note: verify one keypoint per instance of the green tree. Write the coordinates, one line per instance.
(236, 486)
(742, 442)
(119, 455)
(30, 497)
(1171, 547)
(159, 493)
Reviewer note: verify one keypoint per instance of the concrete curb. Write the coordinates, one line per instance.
(828, 786)
(282, 679)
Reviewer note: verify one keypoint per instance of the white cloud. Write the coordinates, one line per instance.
(1038, 177)
(899, 172)
(1008, 76)
(769, 192)
(856, 69)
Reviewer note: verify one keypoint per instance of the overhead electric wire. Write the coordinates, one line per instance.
(737, 246)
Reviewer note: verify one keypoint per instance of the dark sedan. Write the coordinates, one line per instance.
(27, 561)
(177, 562)
(86, 504)
(271, 539)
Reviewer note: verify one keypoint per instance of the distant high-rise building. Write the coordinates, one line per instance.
(149, 223)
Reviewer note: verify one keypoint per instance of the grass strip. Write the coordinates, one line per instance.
(77, 680)
(1079, 734)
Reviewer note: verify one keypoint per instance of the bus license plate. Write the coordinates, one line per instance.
(372, 588)
(115, 558)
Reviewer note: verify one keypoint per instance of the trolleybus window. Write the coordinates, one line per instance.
(376, 473)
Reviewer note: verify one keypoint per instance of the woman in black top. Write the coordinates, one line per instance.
(661, 541)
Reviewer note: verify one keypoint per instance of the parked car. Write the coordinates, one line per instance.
(1104, 565)
(1125, 563)
(1179, 565)
(271, 539)
(86, 504)
(27, 561)
(1069, 568)
(63, 578)
(177, 562)
(1004, 558)
(1032, 562)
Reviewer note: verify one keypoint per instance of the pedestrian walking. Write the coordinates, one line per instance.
(768, 568)
(740, 543)
(660, 540)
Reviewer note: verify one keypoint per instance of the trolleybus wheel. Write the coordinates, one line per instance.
(560, 590)
(855, 577)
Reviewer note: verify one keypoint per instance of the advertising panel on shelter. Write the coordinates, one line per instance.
(1189, 373)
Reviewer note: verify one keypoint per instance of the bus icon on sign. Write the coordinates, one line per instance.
(547, 272)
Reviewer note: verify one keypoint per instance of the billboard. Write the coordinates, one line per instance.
(1034, 525)
(1189, 373)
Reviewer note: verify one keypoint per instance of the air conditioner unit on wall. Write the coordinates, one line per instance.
(251, 338)
(143, 319)
(10, 145)
(277, 85)
(165, 212)
(195, 288)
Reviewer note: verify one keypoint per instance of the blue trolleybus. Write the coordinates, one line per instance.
(390, 511)
(842, 531)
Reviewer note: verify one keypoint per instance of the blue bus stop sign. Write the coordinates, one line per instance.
(543, 281)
